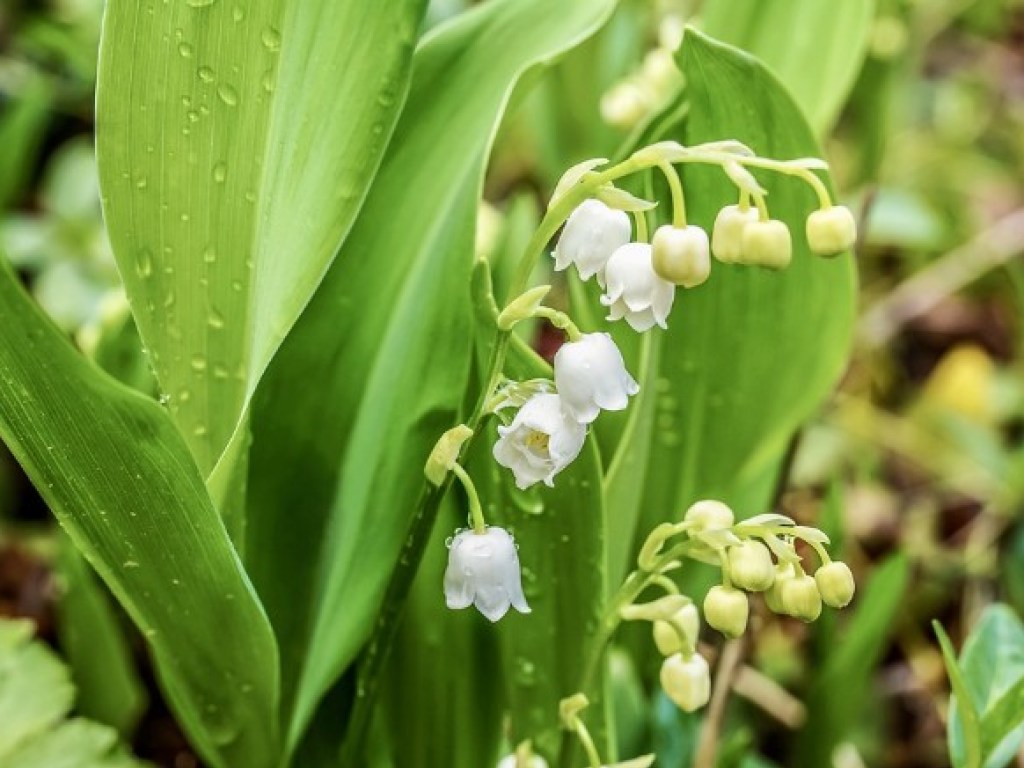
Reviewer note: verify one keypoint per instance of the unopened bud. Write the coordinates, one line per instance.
(681, 255)
(489, 225)
(678, 633)
(727, 235)
(830, 231)
(686, 681)
(522, 307)
(569, 709)
(767, 244)
(445, 453)
(625, 104)
(835, 584)
(661, 72)
(726, 609)
(750, 566)
(709, 515)
(773, 596)
(801, 599)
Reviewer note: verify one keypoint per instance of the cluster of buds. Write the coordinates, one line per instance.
(639, 278)
(756, 555)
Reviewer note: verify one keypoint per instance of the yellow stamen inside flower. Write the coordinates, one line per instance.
(537, 441)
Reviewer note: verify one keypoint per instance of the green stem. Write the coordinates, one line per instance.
(593, 756)
(631, 589)
(762, 208)
(665, 583)
(476, 512)
(678, 199)
(641, 226)
(823, 554)
(560, 320)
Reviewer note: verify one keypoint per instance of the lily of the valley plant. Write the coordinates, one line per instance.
(604, 235)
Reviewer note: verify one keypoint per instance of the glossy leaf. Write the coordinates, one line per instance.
(117, 475)
(992, 667)
(236, 143)
(815, 48)
(965, 741)
(387, 341)
(444, 672)
(560, 534)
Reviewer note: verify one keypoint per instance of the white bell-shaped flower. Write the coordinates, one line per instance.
(540, 442)
(591, 375)
(590, 236)
(633, 289)
(483, 570)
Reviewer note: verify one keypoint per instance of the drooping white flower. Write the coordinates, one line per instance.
(591, 375)
(540, 442)
(483, 570)
(633, 289)
(591, 234)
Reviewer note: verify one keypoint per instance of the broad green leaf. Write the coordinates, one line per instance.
(560, 534)
(992, 666)
(993, 656)
(848, 662)
(965, 740)
(93, 640)
(444, 690)
(119, 478)
(1002, 727)
(35, 697)
(750, 354)
(816, 49)
(387, 341)
(236, 143)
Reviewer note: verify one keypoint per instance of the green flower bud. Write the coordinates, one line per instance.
(661, 71)
(831, 231)
(836, 585)
(726, 609)
(773, 597)
(445, 453)
(801, 599)
(750, 566)
(686, 681)
(669, 635)
(709, 515)
(625, 104)
(767, 244)
(681, 255)
(727, 234)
